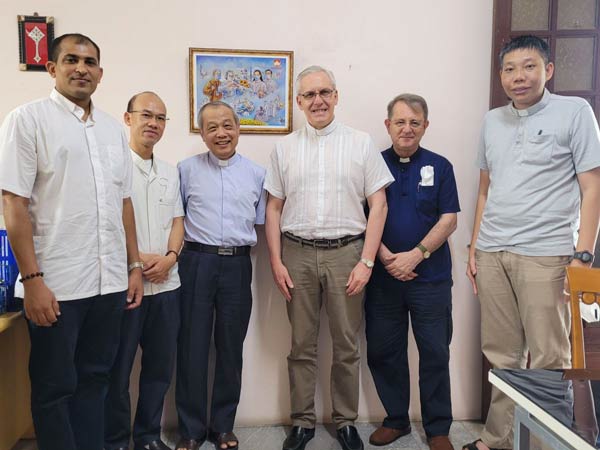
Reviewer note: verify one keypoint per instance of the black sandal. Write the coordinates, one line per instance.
(224, 438)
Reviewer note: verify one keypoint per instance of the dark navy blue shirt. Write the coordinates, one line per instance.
(414, 209)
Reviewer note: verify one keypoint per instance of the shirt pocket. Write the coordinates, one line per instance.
(539, 149)
(167, 202)
(427, 200)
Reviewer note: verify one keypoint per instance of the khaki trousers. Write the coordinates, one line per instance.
(320, 277)
(522, 310)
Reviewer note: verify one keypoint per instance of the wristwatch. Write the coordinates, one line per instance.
(584, 256)
(135, 265)
(426, 253)
(367, 262)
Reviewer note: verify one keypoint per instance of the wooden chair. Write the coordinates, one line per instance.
(584, 284)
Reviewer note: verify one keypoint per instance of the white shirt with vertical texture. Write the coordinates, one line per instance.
(76, 174)
(325, 177)
(156, 201)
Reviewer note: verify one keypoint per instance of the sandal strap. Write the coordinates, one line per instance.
(472, 445)
(223, 438)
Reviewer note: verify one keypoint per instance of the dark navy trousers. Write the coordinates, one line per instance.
(213, 288)
(154, 327)
(389, 304)
(69, 367)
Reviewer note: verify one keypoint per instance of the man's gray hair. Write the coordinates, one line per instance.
(215, 104)
(412, 100)
(314, 69)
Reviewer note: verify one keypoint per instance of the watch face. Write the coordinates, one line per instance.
(585, 256)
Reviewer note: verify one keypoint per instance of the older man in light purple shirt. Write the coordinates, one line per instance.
(224, 199)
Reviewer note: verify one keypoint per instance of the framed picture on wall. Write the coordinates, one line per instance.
(36, 33)
(256, 83)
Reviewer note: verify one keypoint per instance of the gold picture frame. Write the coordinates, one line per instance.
(256, 83)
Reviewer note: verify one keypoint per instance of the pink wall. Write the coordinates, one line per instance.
(377, 49)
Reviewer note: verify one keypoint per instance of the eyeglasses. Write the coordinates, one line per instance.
(413, 124)
(323, 93)
(148, 116)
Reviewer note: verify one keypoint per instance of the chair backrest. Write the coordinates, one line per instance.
(584, 285)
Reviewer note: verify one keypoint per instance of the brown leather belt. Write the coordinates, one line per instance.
(324, 243)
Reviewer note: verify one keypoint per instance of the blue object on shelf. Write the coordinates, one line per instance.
(8, 276)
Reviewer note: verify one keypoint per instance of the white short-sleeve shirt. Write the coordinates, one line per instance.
(156, 201)
(325, 177)
(76, 174)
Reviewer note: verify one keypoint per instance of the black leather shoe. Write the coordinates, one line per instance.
(297, 438)
(349, 438)
(154, 445)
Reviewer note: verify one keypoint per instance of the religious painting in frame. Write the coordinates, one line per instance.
(36, 33)
(257, 84)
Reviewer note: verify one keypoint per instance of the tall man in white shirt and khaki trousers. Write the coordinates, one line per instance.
(65, 175)
(155, 324)
(319, 181)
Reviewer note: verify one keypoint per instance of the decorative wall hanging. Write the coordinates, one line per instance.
(36, 33)
(256, 83)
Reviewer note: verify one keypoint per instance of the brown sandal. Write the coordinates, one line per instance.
(224, 438)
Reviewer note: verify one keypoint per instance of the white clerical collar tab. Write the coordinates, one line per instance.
(405, 160)
(223, 162)
(323, 131)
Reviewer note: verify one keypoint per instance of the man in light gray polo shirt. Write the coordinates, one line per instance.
(539, 161)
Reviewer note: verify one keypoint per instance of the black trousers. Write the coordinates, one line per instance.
(213, 287)
(154, 327)
(69, 367)
(388, 306)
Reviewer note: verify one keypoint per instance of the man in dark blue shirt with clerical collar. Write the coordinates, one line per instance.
(413, 275)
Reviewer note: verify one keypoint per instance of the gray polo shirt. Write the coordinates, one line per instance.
(533, 157)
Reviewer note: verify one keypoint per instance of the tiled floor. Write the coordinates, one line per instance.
(271, 437)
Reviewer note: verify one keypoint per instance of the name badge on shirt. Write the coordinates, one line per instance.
(426, 176)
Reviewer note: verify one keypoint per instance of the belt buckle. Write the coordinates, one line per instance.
(225, 251)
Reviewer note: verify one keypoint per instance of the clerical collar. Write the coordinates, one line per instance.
(323, 131)
(223, 162)
(405, 159)
(533, 108)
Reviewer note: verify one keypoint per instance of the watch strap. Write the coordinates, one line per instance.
(367, 262)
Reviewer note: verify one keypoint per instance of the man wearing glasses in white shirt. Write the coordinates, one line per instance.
(65, 175)
(154, 325)
(319, 181)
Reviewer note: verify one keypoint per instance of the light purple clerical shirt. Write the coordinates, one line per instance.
(223, 200)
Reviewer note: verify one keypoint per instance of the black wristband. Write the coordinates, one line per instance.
(31, 276)
(175, 253)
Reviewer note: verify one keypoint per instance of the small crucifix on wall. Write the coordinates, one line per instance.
(36, 33)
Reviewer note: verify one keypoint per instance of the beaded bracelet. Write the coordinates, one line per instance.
(31, 276)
